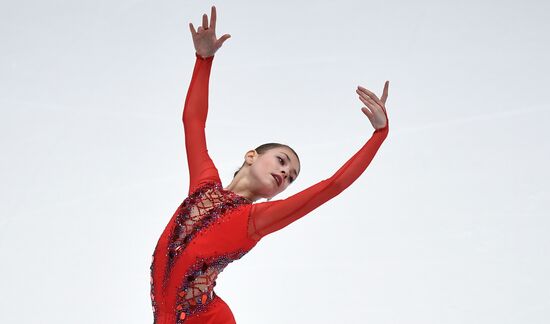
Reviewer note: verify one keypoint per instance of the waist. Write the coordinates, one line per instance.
(171, 317)
(165, 318)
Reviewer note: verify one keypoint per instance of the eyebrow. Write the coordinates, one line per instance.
(288, 158)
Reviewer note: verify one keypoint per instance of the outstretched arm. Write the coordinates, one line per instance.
(269, 217)
(201, 167)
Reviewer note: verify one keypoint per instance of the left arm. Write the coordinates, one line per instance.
(268, 217)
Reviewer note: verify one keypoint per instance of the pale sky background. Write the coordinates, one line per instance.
(447, 225)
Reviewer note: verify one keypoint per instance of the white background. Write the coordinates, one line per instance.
(449, 224)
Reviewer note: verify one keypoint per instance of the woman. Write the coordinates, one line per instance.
(216, 225)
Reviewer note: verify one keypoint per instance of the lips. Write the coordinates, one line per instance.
(278, 178)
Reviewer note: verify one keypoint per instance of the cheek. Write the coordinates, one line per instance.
(268, 165)
(262, 168)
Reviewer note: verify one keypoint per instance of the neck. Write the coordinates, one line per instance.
(241, 190)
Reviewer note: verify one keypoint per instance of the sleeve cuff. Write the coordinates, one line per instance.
(203, 58)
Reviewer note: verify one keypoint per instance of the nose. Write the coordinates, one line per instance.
(284, 174)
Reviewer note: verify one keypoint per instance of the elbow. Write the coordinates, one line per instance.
(187, 118)
(335, 187)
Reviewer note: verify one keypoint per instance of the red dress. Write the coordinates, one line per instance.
(213, 227)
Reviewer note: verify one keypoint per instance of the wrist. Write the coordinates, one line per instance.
(204, 57)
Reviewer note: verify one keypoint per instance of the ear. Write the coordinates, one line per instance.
(250, 156)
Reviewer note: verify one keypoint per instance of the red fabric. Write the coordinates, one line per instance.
(218, 312)
(214, 226)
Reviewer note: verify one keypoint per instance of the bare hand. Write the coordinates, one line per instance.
(204, 39)
(376, 111)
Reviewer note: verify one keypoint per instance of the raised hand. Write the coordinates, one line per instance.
(376, 111)
(204, 38)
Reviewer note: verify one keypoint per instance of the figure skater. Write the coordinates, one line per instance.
(216, 225)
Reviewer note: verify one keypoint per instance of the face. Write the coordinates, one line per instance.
(274, 170)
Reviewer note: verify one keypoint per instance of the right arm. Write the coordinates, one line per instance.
(195, 111)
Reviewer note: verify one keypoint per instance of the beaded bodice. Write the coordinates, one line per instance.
(199, 210)
(195, 217)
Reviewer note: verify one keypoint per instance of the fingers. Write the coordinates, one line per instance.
(193, 31)
(370, 95)
(369, 102)
(223, 39)
(213, 18)
(377, 110)
(205, 26)
(204, 21)
(367, 112)
(385, 92)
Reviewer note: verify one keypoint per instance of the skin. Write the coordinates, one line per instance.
(255, 181)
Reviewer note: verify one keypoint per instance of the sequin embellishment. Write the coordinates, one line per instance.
(201, 209)
(197, 286)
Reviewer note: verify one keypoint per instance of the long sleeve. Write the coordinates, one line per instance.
(268, 217)
(195, 111)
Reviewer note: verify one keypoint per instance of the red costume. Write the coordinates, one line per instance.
(213, 226)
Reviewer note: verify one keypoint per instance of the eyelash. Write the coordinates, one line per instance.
(282, 162)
